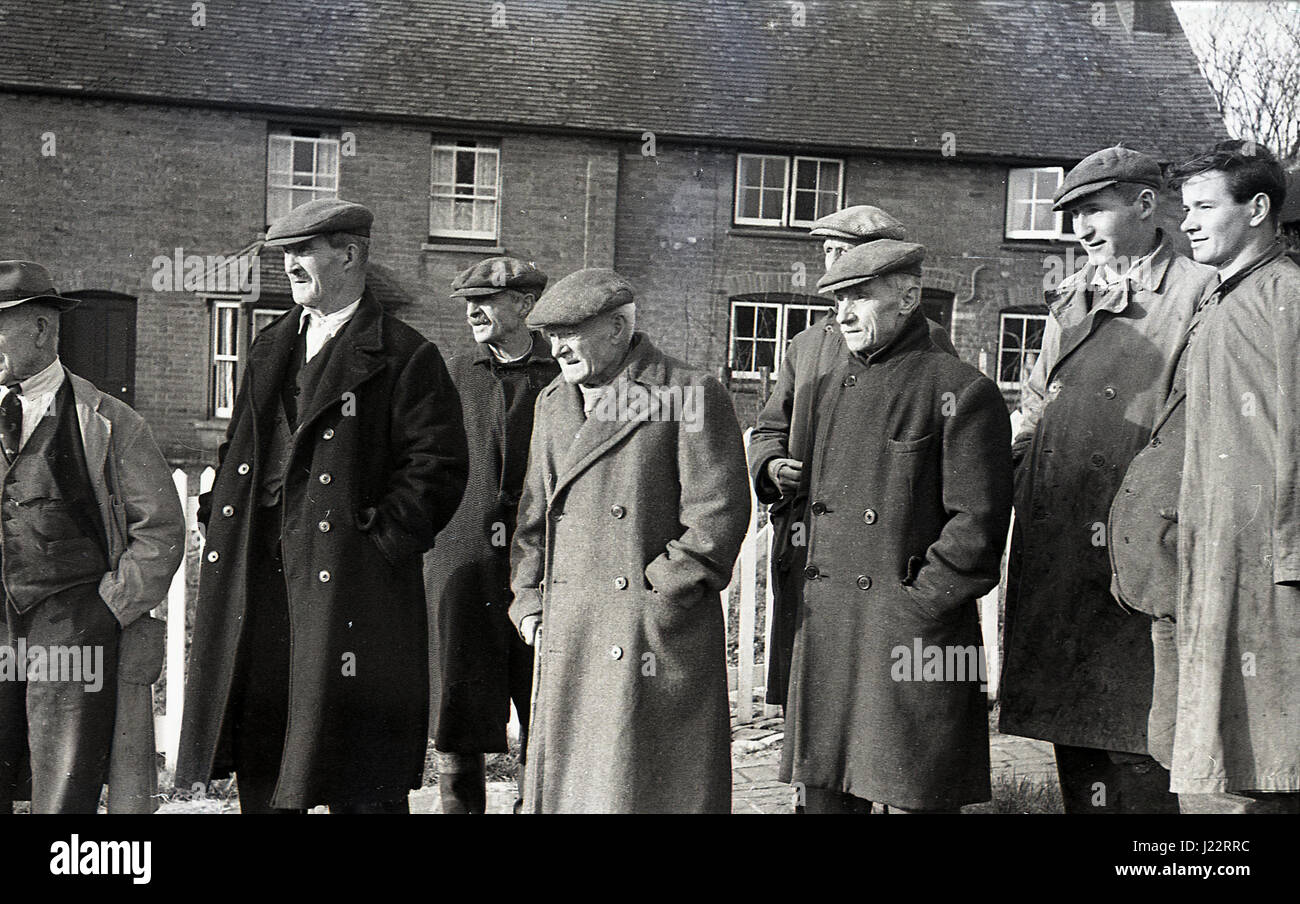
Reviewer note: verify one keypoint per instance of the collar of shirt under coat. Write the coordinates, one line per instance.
(321, 328)
(37, 394)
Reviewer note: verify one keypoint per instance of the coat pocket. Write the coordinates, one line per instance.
(903, 446)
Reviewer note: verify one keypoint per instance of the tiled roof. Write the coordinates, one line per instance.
(1008, 79)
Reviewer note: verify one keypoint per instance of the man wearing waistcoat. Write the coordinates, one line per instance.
(345, 457)
(91, 532)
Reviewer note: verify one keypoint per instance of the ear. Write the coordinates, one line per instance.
(1147, 203)
(45, 332)
(353, 260)
(1260, 206)
(526, 302)
(910, 299)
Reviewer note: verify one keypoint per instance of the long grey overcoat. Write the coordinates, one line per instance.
(628, 529)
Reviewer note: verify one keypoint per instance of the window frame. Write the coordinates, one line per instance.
(1057, 233)
(326, 136)
(794, 189)
(246, 314)
(780, 342)
(1024, 317)
(455, 146)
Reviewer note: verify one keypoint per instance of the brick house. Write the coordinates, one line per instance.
(685, 142)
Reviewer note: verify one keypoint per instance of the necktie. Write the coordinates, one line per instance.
(11, 422)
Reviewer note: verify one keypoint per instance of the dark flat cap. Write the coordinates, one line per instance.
(319, 217)
(860, 223)
(870, 260)
(494, 274)
(580, 296)
(1107, 167)
(23, 281)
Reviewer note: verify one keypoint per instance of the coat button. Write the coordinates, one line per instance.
(617, 511)
(1097, 459)
(227, 511)
(328, 434)
(1055, 387)
(326, 478)
(243, 467)
(557, 515)
(213, 555)
(324, 577)
(1109, 392)
(324, 527)
(1155, 440)
(812, 572)
(869, 516)
(615, 652)
(864, 582)
(620, 583)
(851, 380)
(819, 508)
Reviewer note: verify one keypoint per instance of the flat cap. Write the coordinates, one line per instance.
(319, 217)
(494, 274)
(870, 260)
(860, 223)
(580, 296)
(1107, 167)
(23, 281)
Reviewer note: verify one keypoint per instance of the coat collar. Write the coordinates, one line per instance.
(914, 334)
(540, 353)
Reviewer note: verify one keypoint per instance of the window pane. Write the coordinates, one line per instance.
(462, 219)
(742, 354)
(279, 154)
(774, 173)
(772, 204)
(750, 199)
(805, 205)
(439, 215)
(829, 178)
(743, 317)
(487, 174)
(302, 196)
(827, 203)
(764, 355)
(751, 171)
(1019, 216)
(766, 326)
(805, 174)
(1047, 180)
(327, 159)
(277, 203)
(442, 167)
(465, 172)
(304, 158)
(223, 395)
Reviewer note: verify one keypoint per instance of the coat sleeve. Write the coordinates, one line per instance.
(771, 435)
(528, 547)
(714, 503)
(430, 460)
(1034, 396)
(1286, 509)
(963, 563)
(141, 486)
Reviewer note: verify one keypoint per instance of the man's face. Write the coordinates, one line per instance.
(833, 248)
(315, 270)
(868, 314)
(18, 350)
(1217, 226)
(1110, 228)
(584, 351)
(496, 318)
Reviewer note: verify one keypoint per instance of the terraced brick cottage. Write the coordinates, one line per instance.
(687, 143)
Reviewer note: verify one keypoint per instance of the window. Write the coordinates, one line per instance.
(464, 189)
(767, 196)
(301, 165)
(761, 328)
(1029, 204)
(1018, 349)
(235, 325)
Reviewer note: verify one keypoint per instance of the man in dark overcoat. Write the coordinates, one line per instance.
(479, 663)
(781, 441)
(346, 455)
(634, 509)
(909, 489)
(1078, 668)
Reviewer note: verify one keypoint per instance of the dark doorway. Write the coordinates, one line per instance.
(97, 341)
(937, 305)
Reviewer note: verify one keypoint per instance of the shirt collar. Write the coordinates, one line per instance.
(1142, 271)
(43, 382)
(328, 321)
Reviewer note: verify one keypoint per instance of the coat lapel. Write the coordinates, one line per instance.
(268, 361)
(353, 361)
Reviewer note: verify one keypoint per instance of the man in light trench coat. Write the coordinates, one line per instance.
(633, 512)
(1078, 667)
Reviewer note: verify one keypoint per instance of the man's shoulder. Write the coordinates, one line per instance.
(111, 407)
(1185, 272)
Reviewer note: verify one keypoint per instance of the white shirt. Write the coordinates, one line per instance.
(321, 328)
(37, 394)
(1104, 277)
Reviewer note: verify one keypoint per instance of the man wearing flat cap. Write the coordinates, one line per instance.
(345, 457)
(91, 532)
(633, 512)
(909, 495)
(1078, 667)
(479, 663)
(781, 441)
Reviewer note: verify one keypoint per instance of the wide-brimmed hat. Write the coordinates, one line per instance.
(24, 281)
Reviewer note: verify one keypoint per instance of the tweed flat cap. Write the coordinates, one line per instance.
(23, 281)
(494, 274)
(872, 259)
(860, 223)
(319, 217)
(1107, 167)
(580, 296)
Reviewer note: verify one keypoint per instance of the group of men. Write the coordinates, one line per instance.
(398, 547)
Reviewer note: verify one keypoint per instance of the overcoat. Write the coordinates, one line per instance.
(1238, 718)
(628, 529)
(467, 574)
(782, 431)
(910, 495)
(377, 467)
(1078, 667)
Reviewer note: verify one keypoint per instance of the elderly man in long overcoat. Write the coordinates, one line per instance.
(781, 441)
(346, 455)
(633, 512)
(479, 663)
(909, 498)
(1078, 667)
(1232, 677)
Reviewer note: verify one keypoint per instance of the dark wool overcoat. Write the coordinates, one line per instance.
(467, 574)
(377, 468)
(1077, 666)
(628, 529)
(909, 499)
